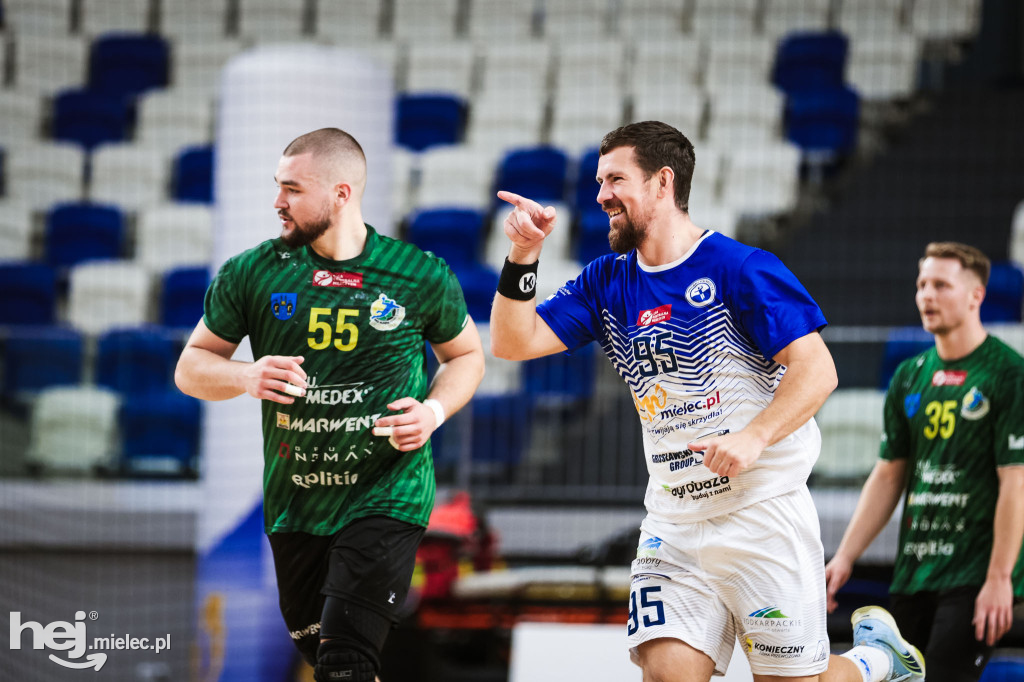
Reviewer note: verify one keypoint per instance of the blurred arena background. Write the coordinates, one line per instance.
(841, 134)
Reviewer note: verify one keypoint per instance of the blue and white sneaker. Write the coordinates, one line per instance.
(873, 626)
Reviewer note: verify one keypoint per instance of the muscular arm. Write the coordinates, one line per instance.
(993, 609)
(205, 370)
(457, 378)
(878, 500)
(809, 379)
(517, 331)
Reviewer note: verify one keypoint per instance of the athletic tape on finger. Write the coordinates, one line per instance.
(292, 389)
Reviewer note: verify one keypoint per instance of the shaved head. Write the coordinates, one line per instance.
(338, 156)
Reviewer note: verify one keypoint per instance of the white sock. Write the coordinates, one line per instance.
(874, 664)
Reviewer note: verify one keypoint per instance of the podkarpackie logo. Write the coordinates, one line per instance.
(71, 637)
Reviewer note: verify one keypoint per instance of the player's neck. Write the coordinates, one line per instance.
(343, 241)
(960, 342)
(668, 240)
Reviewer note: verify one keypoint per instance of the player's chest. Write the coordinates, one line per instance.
(943, 404)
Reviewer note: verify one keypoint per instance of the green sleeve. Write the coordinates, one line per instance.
(1009, 428)
(896, 434)
(223, 311)
(448, 315)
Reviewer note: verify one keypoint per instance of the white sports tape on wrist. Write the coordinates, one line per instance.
(437, 408)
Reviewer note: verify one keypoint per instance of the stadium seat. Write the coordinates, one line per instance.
(478, 282)
(762, 179)
(46, 64)
(851, 427)
(593, 238)
(737, 61)
(499, 20)
(869, 18)
(810, 61)
(500, 433)
(21, 112)
(90, 118)
(1010, 333)
(271, 20)
(884, 68)
(73, 430)
(644, 21)
(716, 19)
(560, 379)
(76, 233)
(174, 235)
(40, 175)
(535, 172)
(197, 66)
(38, 18)
(944, 19)
(454, 234)
(585, 185)
(1004, 296)
(194, 21)
(160, 434)
(174, 118)
(414, 21)
(503, 119)
(582, 115)
(681, 105)
(193, 175)
(136, 361)
(455, 175)
(903, 343)
(422, 121)
(441, 67)
(40, 357)
(345, 23)
(1017, 235)
(29, 292)
(749, 114)
(792, 16)
(133, 176)
(181, 297)
(104, 295)
(97, 17)
(823, 121)
(574, 22)
(17, 232)
(126, 65)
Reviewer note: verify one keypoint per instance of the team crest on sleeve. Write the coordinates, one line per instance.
(975, 405)
(385, 314)
(283, 305)
(700, 293)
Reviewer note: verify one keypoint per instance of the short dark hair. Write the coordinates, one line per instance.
(326, 143)
(971, 258)
(657, 145)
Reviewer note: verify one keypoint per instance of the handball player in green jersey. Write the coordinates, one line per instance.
(337, 316)
(953, 449)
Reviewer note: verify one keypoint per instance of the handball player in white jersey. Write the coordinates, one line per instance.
(718, 343)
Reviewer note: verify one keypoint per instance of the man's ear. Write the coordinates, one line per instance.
(666, 181)
(342, 192)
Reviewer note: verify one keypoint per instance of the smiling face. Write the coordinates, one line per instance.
(303, 200)
(948, 295)
(627, 195)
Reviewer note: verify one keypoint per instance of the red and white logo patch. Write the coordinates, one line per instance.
(955, 377)
(326, 278)
(654, 315)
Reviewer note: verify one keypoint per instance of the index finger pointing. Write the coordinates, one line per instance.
(521, 202)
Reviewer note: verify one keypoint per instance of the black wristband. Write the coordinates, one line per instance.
(518, 281)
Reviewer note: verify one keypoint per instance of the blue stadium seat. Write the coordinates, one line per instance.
(160, 433)
(1004, 296)
(28, 292)
(810, 61)
(193, 175)
(181, 297)
(561, 379)
(79, 232)
(903, 343)
(125, 65)
(823, 120)
(538, 173)
(426, 120)
(89, 118)
(593, 237)
(500, 428)
(586, 185)
(39, 357)
(454, 234)
(479, 282)
(135, 361)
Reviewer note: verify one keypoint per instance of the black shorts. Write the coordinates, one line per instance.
(370, 561)
(939, 624)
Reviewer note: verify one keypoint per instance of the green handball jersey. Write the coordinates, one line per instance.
(955, 423)
(360, 324)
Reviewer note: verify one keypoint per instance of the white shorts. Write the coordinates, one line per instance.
(757, 574)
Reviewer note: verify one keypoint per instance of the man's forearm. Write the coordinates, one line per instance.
(203, 374)
(878, 500)
(456, 380)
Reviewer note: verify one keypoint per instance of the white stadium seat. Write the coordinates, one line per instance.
(103, 295)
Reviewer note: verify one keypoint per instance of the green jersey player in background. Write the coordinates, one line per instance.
(954, 444)
(337, 316)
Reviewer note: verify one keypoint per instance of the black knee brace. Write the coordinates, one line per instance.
(338, 662)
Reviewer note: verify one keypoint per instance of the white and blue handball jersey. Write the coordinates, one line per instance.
(694, 341)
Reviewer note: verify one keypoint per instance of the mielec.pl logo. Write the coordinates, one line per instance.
(59, 636)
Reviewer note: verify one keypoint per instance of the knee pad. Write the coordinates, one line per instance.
(338, 662)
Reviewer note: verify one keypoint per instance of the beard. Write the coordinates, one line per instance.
(631, 235)
(307, 233)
